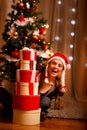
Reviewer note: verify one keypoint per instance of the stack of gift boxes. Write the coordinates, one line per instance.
(26, 101)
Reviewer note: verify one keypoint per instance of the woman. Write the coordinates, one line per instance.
(52, 81)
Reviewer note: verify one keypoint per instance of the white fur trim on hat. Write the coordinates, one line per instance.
(56, 57)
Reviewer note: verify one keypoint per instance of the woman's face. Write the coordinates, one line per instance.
(55, 68)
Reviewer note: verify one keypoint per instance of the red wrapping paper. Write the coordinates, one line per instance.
(27, 54)
(27, 76)
(26, 102)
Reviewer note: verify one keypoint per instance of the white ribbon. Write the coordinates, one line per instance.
(32, 54)
(33, 75)
(36, 88)
(34, 66)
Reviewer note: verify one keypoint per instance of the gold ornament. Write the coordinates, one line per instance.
(21, 4)
(15, 34)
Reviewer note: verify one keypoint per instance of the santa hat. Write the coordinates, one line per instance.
(66, 66)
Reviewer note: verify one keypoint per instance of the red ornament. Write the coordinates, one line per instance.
(33, 45)
(22, 18)
(15, 54)
(42, 30)
(44, 47)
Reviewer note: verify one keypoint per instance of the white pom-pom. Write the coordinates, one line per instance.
(63, 89)
(68, 66)
(46, 80)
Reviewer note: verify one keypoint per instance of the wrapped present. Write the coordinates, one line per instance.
(27, 76)
(23, 88)
(27, 54)
(22, 102)
(27, 117)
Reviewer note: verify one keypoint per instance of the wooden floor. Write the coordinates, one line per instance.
(48, 124)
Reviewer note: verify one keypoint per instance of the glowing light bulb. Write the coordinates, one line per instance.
(58, 20)
(72, 34)
(70, 58)
(59, 2)
(71, 46)
(73, 10)
(86, 64)
(57, 38)
(73, 22)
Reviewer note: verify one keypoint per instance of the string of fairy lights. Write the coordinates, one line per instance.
(72, 24)
(72, 33)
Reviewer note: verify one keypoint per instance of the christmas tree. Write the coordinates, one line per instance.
(25, 26)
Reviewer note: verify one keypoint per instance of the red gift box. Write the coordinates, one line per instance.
(27, 54)
(26, 102)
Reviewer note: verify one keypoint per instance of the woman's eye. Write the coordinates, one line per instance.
(53, 63)
(60, 66)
